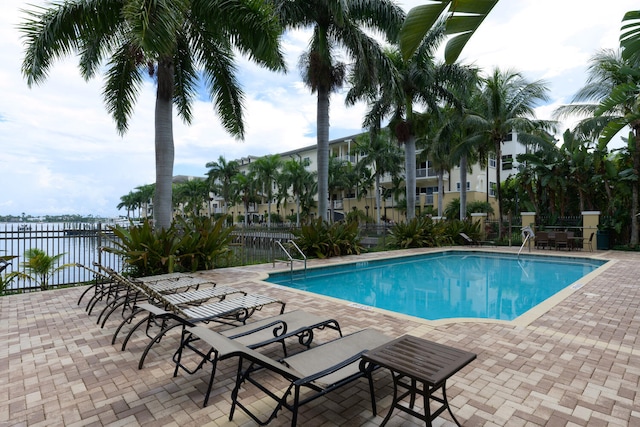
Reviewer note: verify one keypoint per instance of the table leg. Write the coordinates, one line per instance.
(444, 397)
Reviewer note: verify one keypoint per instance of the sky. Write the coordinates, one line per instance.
(61, 153)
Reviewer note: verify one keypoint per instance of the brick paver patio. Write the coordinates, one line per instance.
(577, 364)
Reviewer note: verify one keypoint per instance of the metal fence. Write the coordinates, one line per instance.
(73, 242)
(81, 243)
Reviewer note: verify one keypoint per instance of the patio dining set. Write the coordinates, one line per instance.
(217, 323)
(562, 240)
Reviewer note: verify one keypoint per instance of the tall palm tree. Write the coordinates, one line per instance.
(145, 195)
(193, 194)
(244, 189)
(505, 104)
(128, 201)
(266, 170)
(298, 179)
(179, 42)
(339, 28)
(609, 102)
(416, 81)
(220, 174)
(381, 155)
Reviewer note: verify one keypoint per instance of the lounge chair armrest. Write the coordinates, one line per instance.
(329, 370)
(279, 329)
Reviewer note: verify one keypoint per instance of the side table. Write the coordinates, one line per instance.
(414, 361)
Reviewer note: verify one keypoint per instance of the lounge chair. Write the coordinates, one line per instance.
(469, 241)
(589, 242)
(275, 329)
(228, 311)
(321, 369)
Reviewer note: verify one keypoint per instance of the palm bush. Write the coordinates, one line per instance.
(420, 232)
(39, 267)
(321, 240)
(187, 245)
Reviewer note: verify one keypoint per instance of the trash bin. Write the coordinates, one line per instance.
(602, 237)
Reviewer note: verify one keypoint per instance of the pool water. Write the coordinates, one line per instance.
(446, 285)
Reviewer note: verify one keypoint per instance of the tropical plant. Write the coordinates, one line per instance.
(180, 43)
(420, 232)
(381, 155)
(323, 240)
(338, 29)
(463, 17)
(607, 103)
(298, 179)
(630, 35)
(193, 194)
(220, 175)
(187, 245)
(419, 80)
(505, 104)
(244, 189)
(6, 279)
(40, 267)
(266, 170)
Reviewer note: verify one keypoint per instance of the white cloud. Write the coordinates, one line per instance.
(62, 154)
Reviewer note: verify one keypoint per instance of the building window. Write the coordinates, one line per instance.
(509, 137)
(492, 189)
(507, 162)
(468, 186)
(492, 161)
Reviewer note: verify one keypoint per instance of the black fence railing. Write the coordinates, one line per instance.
(72, 242)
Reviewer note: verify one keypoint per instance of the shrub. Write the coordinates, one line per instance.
(187, 245)
(418, 233)
(321, 240)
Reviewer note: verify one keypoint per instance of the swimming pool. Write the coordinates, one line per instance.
(443, 285)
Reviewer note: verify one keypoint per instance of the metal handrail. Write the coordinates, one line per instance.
(292, 259)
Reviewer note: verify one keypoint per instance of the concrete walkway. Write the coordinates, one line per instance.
(574, 362)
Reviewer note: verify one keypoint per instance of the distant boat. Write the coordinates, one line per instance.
(24, 227)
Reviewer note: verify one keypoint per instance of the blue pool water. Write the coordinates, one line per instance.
(446, 284)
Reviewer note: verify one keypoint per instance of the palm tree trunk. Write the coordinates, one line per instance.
(410, 176)
(634, 189)
(498, 145)
(440, 192)
(323, 151)
(162, 210)
(463, 188)
(378, 198)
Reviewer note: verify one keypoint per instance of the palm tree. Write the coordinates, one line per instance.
(609, 102)
(39, 267)
(463, 19)
(266, 170)
(418, 80)
(220, 175)
(381, 155)
(144, 194)
(338, 30)
(296, 177)
(127, 201)
(193, 193)
(244, 189)
(179, 43)
(506, 103)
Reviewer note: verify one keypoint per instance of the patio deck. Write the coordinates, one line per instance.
(577, 364)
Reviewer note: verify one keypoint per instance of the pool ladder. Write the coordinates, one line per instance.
(291, 259)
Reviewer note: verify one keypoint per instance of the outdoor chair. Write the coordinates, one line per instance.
(561, 240)
(590, 242)
(472, 242)
(320, 369)
(166, 313)
(542, 239)
(164, 291)
(275, 329)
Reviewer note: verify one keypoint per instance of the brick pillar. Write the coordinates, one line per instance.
(590, 221)
(529, 219)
